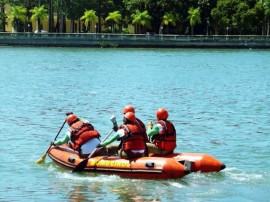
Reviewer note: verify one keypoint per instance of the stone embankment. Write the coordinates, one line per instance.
(133, 40)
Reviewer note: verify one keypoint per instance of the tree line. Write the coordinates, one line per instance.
(200, 17)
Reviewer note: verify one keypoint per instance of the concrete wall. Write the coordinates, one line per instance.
(132, 40)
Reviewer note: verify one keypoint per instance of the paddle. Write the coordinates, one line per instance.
(80, 167)
(42, 159)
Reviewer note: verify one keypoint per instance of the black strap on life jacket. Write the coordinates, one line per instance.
(129, 133)
(166, 128)
(162, 137)
(88, 126)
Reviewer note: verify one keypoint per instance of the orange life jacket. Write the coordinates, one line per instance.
(133, 138)
(81, 133)
(166, 139)
(143, 129)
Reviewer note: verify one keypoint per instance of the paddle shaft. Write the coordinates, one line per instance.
(57, 135)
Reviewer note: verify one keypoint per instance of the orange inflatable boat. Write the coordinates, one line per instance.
(169, 167)
(144, 168)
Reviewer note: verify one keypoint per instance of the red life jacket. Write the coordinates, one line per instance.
(143, 129)
(81, 133)
(133, 138)
(166, 139)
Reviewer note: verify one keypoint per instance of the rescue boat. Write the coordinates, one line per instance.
(143, 168)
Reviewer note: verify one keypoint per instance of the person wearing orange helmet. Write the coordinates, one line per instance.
(81, 136)
(130, 108)
(132, 144)
(162, 134)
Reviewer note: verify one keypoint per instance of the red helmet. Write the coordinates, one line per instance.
(162, 114)
(130, 116)
(128, 108)
(71, 119)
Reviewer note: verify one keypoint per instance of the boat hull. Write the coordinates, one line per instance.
(144, 168)
(198, 162)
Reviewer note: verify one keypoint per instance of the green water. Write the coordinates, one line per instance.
(219, 101)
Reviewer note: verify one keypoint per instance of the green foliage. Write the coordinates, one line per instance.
(141, 18)
(18, 17)
(218, 16)
(194, 16)
(114, 17)
(39, 13)
(169, 18)
(89, 17)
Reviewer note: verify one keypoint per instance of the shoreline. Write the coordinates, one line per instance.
(134, 40)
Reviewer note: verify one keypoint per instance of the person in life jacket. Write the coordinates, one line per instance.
(81, 136)
(132, 143)
(130, 108)
(162, 134)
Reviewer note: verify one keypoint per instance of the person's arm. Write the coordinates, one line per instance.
(153, 131)
(109, 141)
(65, 139)
(120, 133)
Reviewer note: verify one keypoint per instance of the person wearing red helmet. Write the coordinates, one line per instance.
(130, 108)
(162, 134)
(81, 136)
(132, 144)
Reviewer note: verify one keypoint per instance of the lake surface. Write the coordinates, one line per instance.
(219, 101)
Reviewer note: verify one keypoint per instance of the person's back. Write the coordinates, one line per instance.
(130, 108)
(132, 143)
(162, 135)
(84, 138)
(81, 136)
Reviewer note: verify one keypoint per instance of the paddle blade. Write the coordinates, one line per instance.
(80, 167)
(42, 159)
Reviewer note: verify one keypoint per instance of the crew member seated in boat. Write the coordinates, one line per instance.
(162, 134)
(130, 108)
(112, 149)
(81, 136)
(132, 144)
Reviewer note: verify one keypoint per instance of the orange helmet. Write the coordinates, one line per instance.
(130, 116)
(128, 108)
(71, 119)
(162, 114)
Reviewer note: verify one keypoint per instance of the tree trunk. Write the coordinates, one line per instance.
(51, 19)
(39, 25)
(3, 19)
(57, 26)
(99, 17)
(268, 26)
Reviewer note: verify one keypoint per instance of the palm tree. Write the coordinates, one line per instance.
(168, 18)
(39, 14)
(114, 17)
(267, 15)
(194, 17)
(18, 17)
(89, 17)
(141, 19)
